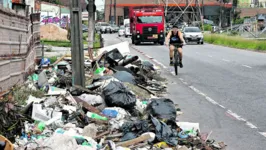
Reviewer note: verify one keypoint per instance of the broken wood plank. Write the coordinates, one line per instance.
(135, 141)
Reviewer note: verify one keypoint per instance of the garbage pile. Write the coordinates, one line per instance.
(121, 108)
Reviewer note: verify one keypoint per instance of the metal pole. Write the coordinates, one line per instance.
(110, 16)
(91, 29)
(77, 53)
(115, 11)
(165, 15)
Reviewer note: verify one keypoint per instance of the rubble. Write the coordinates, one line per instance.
(121, 107)
(53, 32)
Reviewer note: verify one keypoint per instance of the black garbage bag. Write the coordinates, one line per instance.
(117, 95)
(162, 108)
(147, 65)
(128, 136)
(124, 76)
(164, 133)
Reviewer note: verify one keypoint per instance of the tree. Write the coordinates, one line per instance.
(100, 14)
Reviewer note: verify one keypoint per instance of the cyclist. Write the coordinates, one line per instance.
(175, 37)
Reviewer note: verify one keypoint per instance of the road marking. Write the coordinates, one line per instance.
(210, 56)
(236, 116)
(263, 133)
(156, 61)
(252, 126)
(206, 97)
(239, 118)
(247, 66)
(197, 53)
(226, 60)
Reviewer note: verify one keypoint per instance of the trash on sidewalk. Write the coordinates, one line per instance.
(121, 107)
(117, 95)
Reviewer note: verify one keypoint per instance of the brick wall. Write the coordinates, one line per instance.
(19, 40)
(250, 12)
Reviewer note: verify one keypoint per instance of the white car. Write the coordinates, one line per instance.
(193, 34)
(121, 31)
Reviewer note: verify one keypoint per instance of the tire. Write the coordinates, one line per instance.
(198, 42)
(137, 43)
(161, 43)
(119, 35)
(176, 62)
(126, 36)
(202, 43)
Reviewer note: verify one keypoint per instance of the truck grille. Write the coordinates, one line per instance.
(149, 30)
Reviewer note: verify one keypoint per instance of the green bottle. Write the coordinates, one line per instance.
(96, 116)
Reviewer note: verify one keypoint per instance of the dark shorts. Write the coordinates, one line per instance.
(178, 45)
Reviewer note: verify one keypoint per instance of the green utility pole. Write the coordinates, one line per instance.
(77, 53)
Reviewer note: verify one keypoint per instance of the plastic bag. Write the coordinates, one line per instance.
(162, 108)
(124, 76)
(117, 95)
(164, 133)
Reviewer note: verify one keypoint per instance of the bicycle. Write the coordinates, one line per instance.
(176, 57)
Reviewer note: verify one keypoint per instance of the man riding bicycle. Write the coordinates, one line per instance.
(176, 40)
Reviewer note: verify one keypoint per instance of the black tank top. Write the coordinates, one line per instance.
(174, 38)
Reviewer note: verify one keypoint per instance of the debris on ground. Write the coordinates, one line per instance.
(121, 107)
(53, 32)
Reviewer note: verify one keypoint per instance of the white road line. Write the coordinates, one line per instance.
(226, 60)
(263, 133)
(210, 56)
(221, 106)
(206, 97)
(252, 126)
(197, 52)
(236, 116)
(159, 63)
(148, 56)
(247, 66)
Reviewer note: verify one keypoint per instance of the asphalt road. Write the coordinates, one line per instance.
(224, 89)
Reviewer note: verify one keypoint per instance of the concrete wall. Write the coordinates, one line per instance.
(50, 10)
(19, 39)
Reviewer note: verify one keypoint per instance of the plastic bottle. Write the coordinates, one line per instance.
(96, 116)
(110, 113)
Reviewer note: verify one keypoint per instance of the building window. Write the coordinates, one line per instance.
(120, 20)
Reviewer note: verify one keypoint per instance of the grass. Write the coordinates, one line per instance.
(60, 43)
(53, 59)
(235, 42)
(57, 43)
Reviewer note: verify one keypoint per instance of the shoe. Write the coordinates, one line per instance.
(171, 63)
(180, 64)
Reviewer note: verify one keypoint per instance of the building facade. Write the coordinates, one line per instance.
(209, 9)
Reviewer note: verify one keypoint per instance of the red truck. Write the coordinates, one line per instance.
(147, 24)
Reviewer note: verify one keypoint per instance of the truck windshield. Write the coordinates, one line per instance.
(150, 19)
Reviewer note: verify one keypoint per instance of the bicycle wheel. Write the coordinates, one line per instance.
(176, 61)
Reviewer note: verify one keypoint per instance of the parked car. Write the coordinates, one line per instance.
(127, 30)
(84, 28)
(121, 31)
(103, 27)
(115, 28)
(193, 34)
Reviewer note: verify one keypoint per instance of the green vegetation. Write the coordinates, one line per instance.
(57, 43)
(235, 42)
(96, 44)
(207, 27)
(239, 21)
(53, 59)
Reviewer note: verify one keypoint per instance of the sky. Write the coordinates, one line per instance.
(99, 4)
